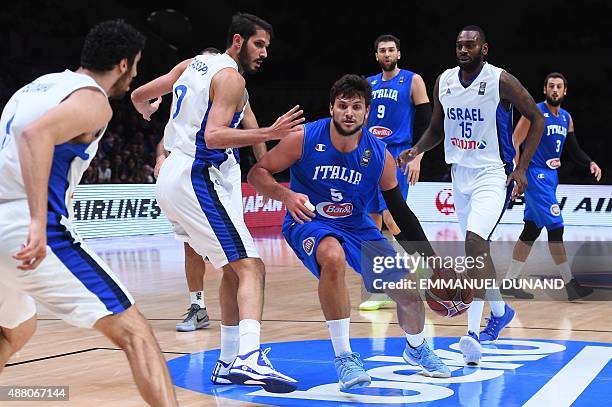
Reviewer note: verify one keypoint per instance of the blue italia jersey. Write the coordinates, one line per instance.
(391, 111)
(548, 153)
(338, 184)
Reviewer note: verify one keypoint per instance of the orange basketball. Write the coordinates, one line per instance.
(448, 301)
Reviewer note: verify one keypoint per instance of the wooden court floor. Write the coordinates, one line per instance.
(151, 268)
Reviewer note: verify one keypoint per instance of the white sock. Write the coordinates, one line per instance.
(564, 270)
(475, 315)
(249, 335)
(514, 271)
(197, 297)
(498, 308)
(416, 340)
(230, 342)
(339, 334)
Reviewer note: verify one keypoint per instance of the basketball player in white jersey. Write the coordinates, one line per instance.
(195, 267)
(473, 115)
(50, 133)
(195, 191)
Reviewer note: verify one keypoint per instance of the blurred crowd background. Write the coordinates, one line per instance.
(315, 44)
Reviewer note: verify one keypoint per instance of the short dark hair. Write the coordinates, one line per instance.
(210, 50)
(481, 33)
(108, 42)
(246, 25)
(349, 86)
(386, 38)
(555, 75)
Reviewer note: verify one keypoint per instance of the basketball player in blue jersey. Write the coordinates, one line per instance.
(541, 205)
(336, 165)
(400, 112)
(472, 115)
(195, 190)
(50, 133)
(195, 266)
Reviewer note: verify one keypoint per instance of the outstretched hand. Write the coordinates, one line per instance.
(287, 123)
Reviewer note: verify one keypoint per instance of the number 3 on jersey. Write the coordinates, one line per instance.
(179, 92)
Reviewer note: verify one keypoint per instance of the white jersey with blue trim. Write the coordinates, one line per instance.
(69, 160)
(477, 127)
(191, 104)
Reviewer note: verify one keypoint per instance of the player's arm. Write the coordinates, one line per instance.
(281, 157)
(413, 237)
(249, 121)
(511, 90)
(578, 154)
(422, 117)
(85, 111)
(160, 156)
(519, 135)
(433, 135)
(228, 92)
(155, 90)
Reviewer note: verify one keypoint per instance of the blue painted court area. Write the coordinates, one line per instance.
(514, 372)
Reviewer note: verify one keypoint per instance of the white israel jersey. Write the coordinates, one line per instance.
(477, 127)
(191, 104)
(69, 160)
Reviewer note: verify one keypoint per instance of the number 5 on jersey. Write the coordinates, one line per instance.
(336, 195)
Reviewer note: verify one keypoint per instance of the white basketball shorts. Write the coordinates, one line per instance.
(72, 282)
(204, 205)
(480, 196)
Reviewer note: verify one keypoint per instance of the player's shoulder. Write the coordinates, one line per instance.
(494, 68)
(315, 128)
(91, 99)
(448, 73)
(228, 77)
(374, 79)
(565, 114)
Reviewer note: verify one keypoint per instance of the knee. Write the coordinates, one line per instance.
(128, 330)
(19, 336)
(331, 260)
(249, 268)
(530, 233)
(404, 298)
(229, 276)
(556, 235)
(475, 245)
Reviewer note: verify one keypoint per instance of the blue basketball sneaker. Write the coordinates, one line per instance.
(423, 356)
(470, 348)
(351, 374)
(254, 369)
(495, 325)
(220, 373)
